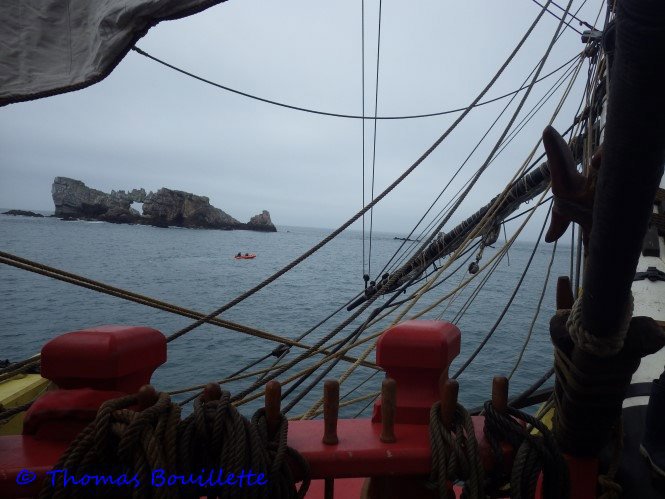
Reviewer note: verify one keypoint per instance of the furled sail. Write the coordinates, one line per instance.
(49, 47)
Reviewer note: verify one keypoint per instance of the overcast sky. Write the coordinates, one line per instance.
(148, 126)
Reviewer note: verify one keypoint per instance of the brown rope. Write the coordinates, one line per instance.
(25, 368)
(378, 198)
(593, 386)
(214, 439)
(455, 454)
(16, 365)
(7, 414)
(61, 275)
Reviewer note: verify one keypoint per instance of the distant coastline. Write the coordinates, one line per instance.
(23, 213)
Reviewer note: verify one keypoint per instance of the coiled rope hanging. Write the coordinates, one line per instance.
(154, 444)
(455, 453)
(535, 453)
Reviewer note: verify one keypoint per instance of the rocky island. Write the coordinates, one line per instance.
(164, 208)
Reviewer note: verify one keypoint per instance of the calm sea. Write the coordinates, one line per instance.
(196, 269)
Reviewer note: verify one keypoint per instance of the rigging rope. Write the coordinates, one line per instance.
(508, 141)
(7, 414)
(510, 301)
(523, 123)
(574, 16)
(535, 315)
(355, 217)
(376, 110)
(365, 274)
(441, 212)
(488, 216)
(25, 264)
(337, 115)
(436, 247)
(368, 350)
(559, 18)
(481, 170)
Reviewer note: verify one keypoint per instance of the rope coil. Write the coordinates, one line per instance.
(455, 453)
(534, 453)
(215, 440)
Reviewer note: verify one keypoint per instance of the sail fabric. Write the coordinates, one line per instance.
(49, 47)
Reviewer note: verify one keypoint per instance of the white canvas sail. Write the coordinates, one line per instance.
(49, 47)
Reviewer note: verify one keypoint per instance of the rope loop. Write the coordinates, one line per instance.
(601, 347)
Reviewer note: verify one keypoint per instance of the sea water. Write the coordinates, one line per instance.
(196, 269)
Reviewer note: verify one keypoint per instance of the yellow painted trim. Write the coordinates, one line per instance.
(19, 390)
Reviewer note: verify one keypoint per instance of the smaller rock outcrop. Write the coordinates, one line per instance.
(262, 222)
(23, 213)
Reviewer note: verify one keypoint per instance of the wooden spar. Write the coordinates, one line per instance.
(524, 189)
(632, 164)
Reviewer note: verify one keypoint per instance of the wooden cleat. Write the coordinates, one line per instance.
(211, 392)
(448, 391)
(273, 400)
(500, 394)
(564, 293)
(147, 397)
(388, 409)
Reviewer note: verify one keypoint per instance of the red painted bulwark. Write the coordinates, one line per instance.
(360, 452)
(583, 477)
(119, 358)
(24, 452)
(416, 354)
(62, 414)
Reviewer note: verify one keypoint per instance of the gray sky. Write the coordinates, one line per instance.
(148, 126)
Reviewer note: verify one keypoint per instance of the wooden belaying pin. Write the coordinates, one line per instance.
(564, 293)
(330, 411)
(388, 409)
(211, 392)
(273, 400)
(147, 397)
(448, 391)
(500, 394)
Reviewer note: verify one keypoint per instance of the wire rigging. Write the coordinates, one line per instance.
(362, 44)
(574, 16)
(376, 110)
(326, 113)
(536, 313)
(559, 18)
(355, 217)
(520, 126)
(539, 104)
(507, 306)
